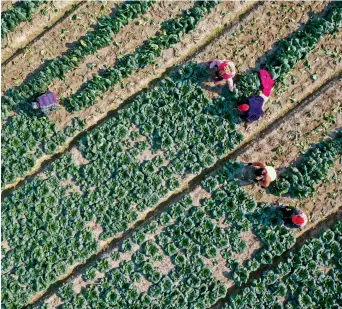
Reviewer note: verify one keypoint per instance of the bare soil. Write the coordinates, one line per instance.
(52, 43)
(25, 32)
(243, 32)
(295, 132)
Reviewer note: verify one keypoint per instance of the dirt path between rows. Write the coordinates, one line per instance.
(206, 30)
(53, 43)
(236, 41)
(44, 17)
(314, 232)
(330, 95)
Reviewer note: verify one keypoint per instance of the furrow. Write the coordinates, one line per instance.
(126, 141)
(25, 34)
(328, 93)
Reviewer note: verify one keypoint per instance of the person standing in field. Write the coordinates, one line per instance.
(254, 109)
(292, 217)
(262, 173)
(225, 70)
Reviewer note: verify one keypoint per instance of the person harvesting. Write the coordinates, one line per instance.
(262, 173)
(292, 217)
(46, 103)
(225, 70)
(254, 109)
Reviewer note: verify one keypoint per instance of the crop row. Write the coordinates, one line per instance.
(51, 212)
(113, 152)
(13, 142)
(300, 180)
(17, 98)
(189, 236)
(172, 32)
(247, 84)
(310, 278)
(21, 11)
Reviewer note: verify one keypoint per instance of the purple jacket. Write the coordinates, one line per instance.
(255, 111)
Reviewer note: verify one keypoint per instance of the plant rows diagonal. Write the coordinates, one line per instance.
(18, 137)
(310, 278)
(22, 11)
(188, 236)
(300, 180)
(100, 37)
(41, 217)
(44, 139)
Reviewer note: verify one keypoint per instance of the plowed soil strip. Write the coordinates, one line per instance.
(233, 41)
(53, 42)
(314, 232)
(309, 103)
(94, 114)
(46, 17)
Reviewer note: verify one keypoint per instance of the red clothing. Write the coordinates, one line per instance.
(267, 82)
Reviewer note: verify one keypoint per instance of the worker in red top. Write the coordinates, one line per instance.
(292, 217)
(254, 109)
(47, 103)
(263, 173)
(225, 70)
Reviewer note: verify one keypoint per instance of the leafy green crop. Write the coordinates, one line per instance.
(35, 146)
(185, 234)
(48, 213)
(100, 37)
(172, 32)
(301, 279)
(317, 162)
(15, 136)
(21, 11)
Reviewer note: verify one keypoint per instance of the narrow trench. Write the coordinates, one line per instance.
(48, 28)
(215, 36)
(177, 196)
(314, 232)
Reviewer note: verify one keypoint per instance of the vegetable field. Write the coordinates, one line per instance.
(132, 194)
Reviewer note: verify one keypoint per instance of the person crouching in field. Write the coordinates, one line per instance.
(254, 109)
(46, 103)
(292, 217)
(262, 173)
(225, 70)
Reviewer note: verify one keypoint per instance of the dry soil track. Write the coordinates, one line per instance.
(47, 16)
(286, 115)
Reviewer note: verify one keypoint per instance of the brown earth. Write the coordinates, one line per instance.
(5, 5)
(93, 114)
(304, 86)
(25, 32)
(244, 37)
(249, 134)
(52, 43)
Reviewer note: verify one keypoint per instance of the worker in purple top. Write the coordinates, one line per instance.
(254, 109)
(47, 103)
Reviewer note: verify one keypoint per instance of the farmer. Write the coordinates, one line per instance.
(262, 173)
(47, 103)
(225, 70)
(254, 109)
(292, 217)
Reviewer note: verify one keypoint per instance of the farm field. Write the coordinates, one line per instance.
(131, 194)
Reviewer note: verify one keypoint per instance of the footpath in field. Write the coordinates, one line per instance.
(212, 199)
(207, 237)
(41, 148)
(104, 167)
(55, 139)
(309, 278)
(26, 20)
(38, 145)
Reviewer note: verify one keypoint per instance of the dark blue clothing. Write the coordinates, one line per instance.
(255, 111)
